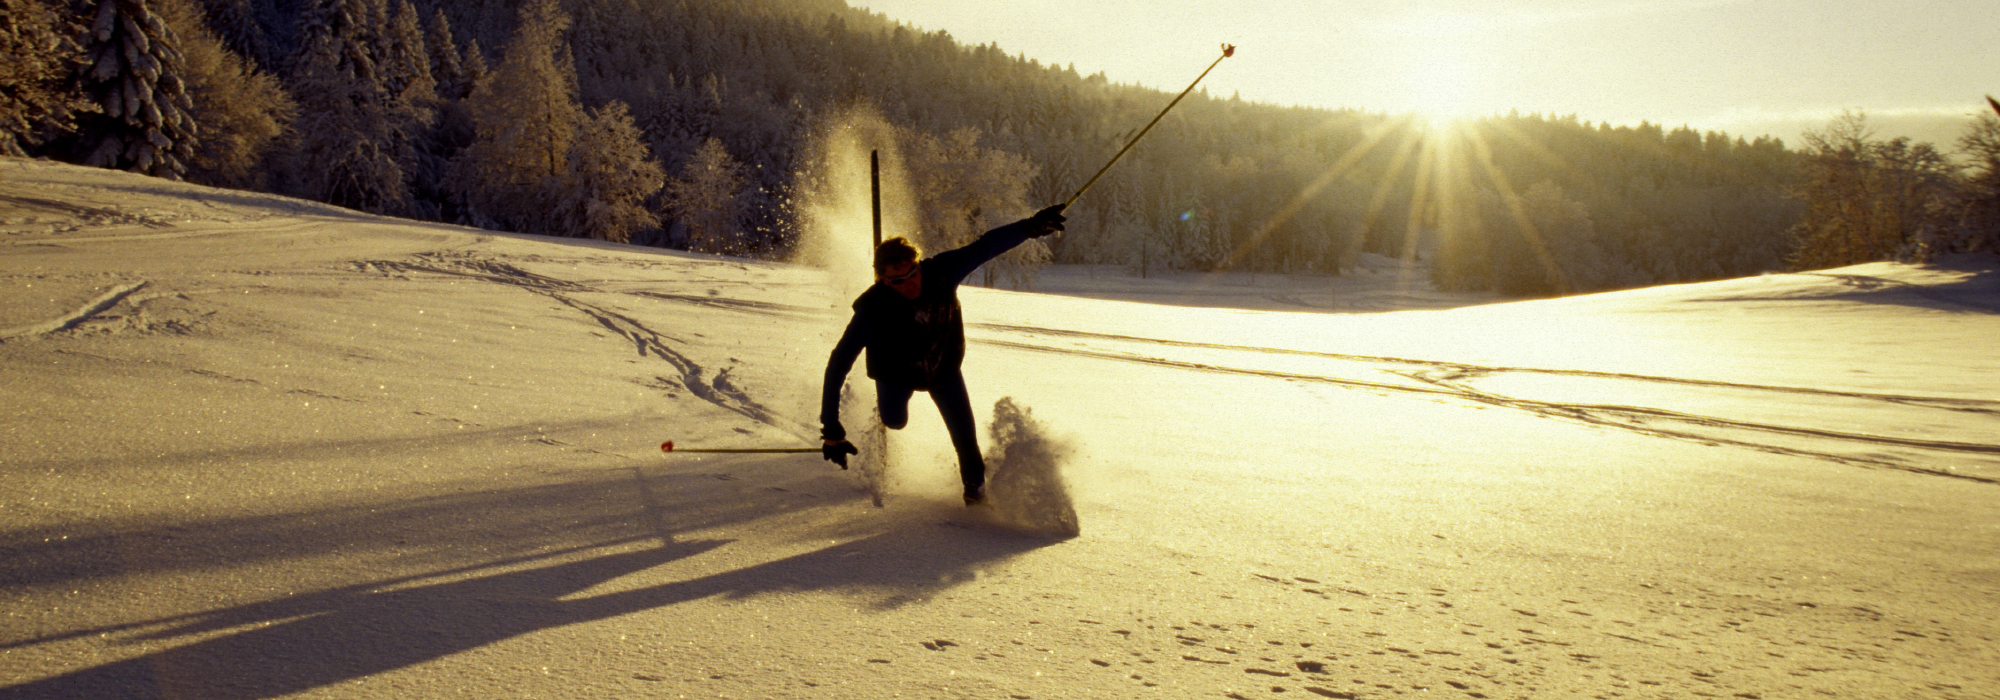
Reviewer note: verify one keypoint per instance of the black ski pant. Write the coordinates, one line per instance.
(955, 406)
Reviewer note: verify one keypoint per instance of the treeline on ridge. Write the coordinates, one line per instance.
(691, 123)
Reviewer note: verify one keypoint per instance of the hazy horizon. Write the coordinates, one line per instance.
(1747, 68)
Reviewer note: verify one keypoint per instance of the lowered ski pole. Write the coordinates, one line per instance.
(1227, 51)
(668, 447)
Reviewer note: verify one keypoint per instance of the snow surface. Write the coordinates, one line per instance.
(257, 447)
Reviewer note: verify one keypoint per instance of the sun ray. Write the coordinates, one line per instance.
(1379, 200)
(1340, 167)
(1511, 199)
(1420, 207)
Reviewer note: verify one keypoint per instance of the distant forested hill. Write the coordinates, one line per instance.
(695, 122)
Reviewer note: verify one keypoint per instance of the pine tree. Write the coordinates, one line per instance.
(412, 90)
(355, 135)
(37, 55)
(474, 64)
(526, 116)
(1556, 251)
(708, 198)
(449, 72)
(406, 61)
(234, 22)
(611, 175)
(132, 71)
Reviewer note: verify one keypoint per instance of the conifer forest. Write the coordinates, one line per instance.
(705, 125)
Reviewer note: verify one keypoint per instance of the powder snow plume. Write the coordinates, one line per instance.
(1024, 480)
(834, 206)
(857, 406)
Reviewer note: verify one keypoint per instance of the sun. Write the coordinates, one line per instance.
(1442, 74)
(1440, 83)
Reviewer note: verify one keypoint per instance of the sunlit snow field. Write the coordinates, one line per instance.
(256, 447)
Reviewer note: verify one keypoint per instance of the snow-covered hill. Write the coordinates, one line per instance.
(257, 447)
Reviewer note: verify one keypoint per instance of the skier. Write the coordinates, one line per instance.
(909, 323)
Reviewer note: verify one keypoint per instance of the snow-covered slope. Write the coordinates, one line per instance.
(256, 447)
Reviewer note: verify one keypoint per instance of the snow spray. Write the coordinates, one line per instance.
(869, 437)
(1024, 479)
(834, 204)
(833, 207)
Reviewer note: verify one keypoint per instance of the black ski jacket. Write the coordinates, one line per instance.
(911, 341)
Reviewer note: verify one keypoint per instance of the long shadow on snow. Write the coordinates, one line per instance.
(1974, 294)
(323, 639)
(426, 525)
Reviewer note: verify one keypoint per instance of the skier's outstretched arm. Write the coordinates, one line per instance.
(953, 266)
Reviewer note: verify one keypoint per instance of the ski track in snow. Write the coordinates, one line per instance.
(1454, 380)
(102, 303)
(1429, 377)
(717, 390)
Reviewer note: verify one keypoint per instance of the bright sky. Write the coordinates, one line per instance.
(1749, 67)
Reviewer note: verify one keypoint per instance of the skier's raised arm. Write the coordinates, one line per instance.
(953, 266)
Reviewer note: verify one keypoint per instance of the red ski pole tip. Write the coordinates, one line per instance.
(667, 446)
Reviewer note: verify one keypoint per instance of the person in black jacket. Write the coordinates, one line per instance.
(909, 322)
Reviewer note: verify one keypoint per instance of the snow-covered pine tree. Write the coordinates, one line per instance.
(234, 23)
(1522, 253)
(453, 131)
(406, 61)
(525, 115)
(37, 55)
(708, 197)
(1194, 223)
(354, 135)
(242, 111)
(597, 37)
(611, 175)
(968, 188)
(406, 74)
(475, 65)
(132, 70)
(446, 68)
(338, 31)
(456, 130)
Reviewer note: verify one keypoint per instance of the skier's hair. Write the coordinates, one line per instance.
(895, 251)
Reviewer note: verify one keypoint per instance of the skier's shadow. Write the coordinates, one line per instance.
(328, 638)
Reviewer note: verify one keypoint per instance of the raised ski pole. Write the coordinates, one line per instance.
(1227, 51)
(875, 191)
(668, 447)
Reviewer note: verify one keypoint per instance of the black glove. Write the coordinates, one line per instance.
(837, 452)
(1046, 221)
